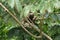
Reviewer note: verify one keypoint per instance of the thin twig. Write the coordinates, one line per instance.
(37, 29)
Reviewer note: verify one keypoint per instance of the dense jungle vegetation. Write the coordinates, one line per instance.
(29, 19)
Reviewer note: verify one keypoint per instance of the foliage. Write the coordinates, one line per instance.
(10, 30)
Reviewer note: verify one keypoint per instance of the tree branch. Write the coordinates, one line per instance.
(23, 26)
(18, 21)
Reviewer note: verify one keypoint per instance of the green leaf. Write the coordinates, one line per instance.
(3, 0)
(11, 3)
(57, 4)
(26, 10)
(54, 17)
(57, 38)
(58, 16)
(18, 5)
(58, 30)
(6, 29)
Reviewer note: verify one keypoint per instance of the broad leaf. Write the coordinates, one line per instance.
(11, 3)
